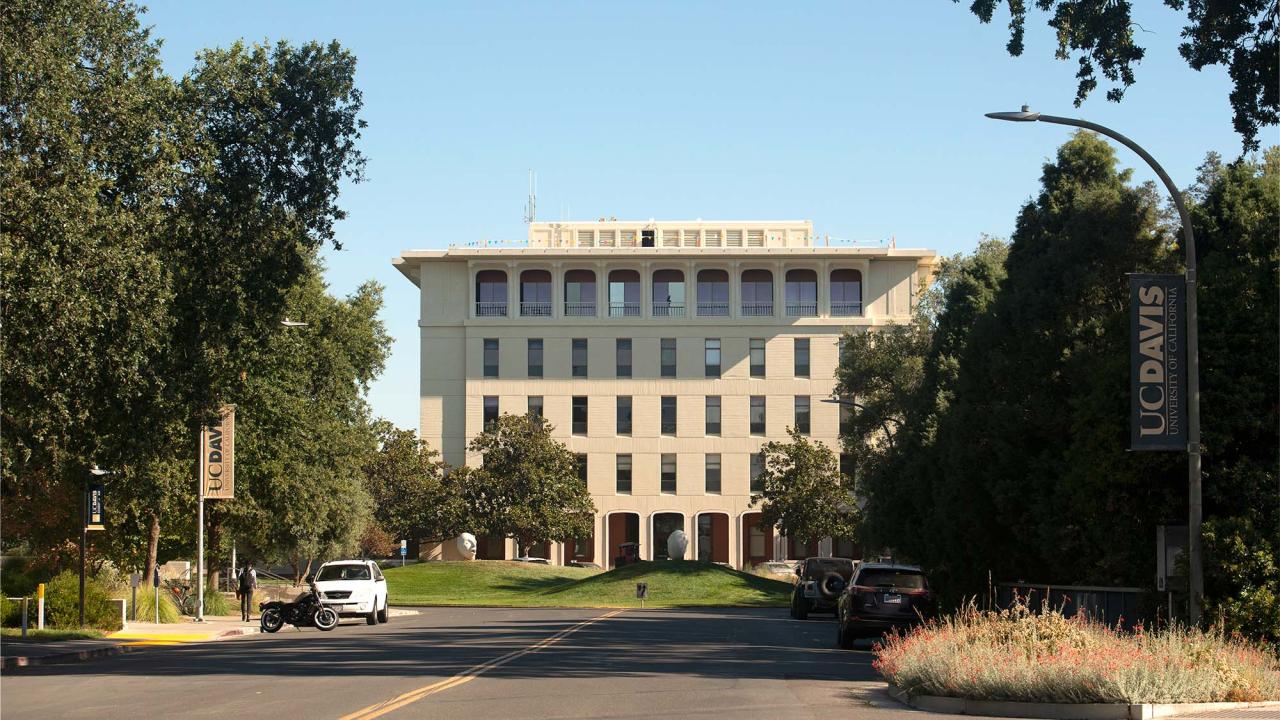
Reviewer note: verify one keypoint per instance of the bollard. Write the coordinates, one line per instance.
(24, 616)
(40, 606)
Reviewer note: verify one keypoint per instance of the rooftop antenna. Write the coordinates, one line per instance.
(531, 206)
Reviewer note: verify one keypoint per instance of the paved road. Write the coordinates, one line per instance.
(481, 663)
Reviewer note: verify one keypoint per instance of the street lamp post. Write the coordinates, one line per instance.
(1195, 509)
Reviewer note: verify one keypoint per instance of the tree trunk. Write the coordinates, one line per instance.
(153, 546)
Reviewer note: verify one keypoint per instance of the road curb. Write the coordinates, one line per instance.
(1065, 711)
(15, 662)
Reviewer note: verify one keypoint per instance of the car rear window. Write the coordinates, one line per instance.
(879, 577)
(343, 572)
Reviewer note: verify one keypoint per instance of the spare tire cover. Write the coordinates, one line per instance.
(831, 586)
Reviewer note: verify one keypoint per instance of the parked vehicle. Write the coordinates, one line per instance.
(305, 611)
(628, 553)
(822, 580)
(882, 597)
(354, 588)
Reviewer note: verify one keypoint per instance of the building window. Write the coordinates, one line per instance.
(668, 293)
(757, 293)
(713, 474)
(491, 293)
(846, 417)
(624, 415)
(623, 353)
(535, 357)
(668, 414)
(846, 465)
(624, 293)
(579, 357)
(535, 293)
(491, 357)
(535, 405)
(711, 352)
(757, 472)
(846, 293)
(802, 357)
(802, 414)
(668, 482)
(713, 414)
(580, 460)
(802, 293)
(713, 293)
(757, 415)
(579, 415)
(623, 481)
(757, 357)
(579, 293)
(490, 411)
(668, 357)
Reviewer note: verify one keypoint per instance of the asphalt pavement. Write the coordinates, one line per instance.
(481, 663)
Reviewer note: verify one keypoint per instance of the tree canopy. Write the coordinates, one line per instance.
(803, 493)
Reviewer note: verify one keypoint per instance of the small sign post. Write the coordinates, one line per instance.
(642, 592)
(155, 584)
(40, 606)
(404, 550)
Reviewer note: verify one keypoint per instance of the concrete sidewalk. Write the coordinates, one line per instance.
(19, 653)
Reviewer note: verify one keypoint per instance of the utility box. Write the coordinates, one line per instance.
(1171, 544)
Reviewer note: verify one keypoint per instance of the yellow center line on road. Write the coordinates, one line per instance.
(382, 708)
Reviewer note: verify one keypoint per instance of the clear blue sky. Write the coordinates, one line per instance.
(866, 120)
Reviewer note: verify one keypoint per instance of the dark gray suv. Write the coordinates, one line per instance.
(882, 597)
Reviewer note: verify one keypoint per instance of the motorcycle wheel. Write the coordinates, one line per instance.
(325, 618)
(271, 620)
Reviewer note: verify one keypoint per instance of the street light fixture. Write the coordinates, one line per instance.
(292, 323)
(84, 527)
(1195, 509)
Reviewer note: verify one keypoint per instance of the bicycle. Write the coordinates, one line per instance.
(182, 595)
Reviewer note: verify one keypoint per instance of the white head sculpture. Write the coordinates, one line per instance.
(467, 546)
(677, 544)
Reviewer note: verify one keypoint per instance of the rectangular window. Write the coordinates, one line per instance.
(624, 415)
(579, 357)
(711, 352)
(580, 459)
(846, 465)
(535, 405)
(846, 416)
(802, 414)
(490, 411)
(579, 415)
(802, 357)
(535, 357)
(668, 357)
(757, 415)
(757, 470)
(668, 414)
(491, 357)
(668, 473)
(623, 483)
(623, 351)
(757, 357)
(713, 474)
(713, 414)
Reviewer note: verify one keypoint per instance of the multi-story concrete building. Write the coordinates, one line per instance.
(663, 353)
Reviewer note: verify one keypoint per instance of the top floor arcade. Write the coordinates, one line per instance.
(672, 234)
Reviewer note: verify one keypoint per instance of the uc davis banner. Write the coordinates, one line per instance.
(217, 452)
(1157, 331)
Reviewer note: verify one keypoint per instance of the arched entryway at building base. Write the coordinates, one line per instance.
(757, 541)
(620, 527)
(661, 526)
(711, 530)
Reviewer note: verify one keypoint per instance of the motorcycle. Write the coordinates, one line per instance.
(305, 611)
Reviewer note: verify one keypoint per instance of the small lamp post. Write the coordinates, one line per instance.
(84, 528)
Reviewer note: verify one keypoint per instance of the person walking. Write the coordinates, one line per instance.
(245, 585)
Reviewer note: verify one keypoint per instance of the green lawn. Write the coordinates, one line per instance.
(501, 583)
(49, 635)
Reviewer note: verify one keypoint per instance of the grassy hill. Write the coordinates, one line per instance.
(501, 583)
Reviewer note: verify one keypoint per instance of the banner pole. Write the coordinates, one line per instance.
(200, 532)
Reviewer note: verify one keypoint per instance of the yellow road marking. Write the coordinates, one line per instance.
(163, 637)
(462, 678)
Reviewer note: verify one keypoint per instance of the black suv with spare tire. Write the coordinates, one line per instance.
(822, 580)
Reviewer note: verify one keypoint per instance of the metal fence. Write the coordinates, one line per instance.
(1123, 606)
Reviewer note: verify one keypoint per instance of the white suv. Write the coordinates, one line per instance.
(355, 588)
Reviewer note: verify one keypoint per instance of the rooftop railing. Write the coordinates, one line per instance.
(802, 309)
(846, 309)
(624, 309)
(535, 309)
(757, 309)
(667, 309)
(579, 309)
(713, 309)
(491, 309)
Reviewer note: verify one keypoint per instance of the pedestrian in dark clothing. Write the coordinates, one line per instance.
(245, 585)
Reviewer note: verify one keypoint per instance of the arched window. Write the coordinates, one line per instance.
(535, 293)
(580, 293)
(802, 293)
(663, 525)
(491, 293)
(713, 292)
(668, 293)
(757, 293)
(624, 293)
(846, 292)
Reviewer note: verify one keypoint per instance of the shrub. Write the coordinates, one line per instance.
(1019, 655)
(62, 598)
(146, 608)
(215, 603)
